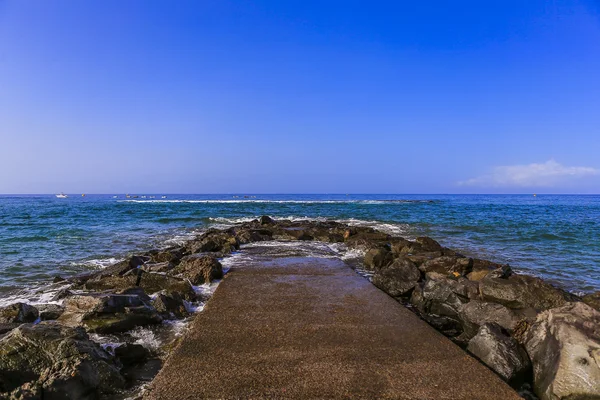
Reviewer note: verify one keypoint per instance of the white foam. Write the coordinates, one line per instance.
(34, 295)
(146, 338)
(97, 263)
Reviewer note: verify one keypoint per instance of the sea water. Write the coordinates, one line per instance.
(556, 237)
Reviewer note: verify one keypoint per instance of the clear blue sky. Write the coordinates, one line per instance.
(300, 96)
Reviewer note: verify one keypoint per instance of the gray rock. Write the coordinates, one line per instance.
(62, 360)
(564, 347)
(170, 306)
(266, 220)
(398, 278)
(444, 296)
(501, 353)
(523, 291)
(18, 313)
(131, 354)
(108, 313)
(476, 313)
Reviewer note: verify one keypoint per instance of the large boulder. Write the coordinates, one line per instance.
(564, 347)
(124, 266)
(62, 360)
(365, 238)
(266, 220)
(398, 278)
(170, 255)
(199, 269)
(170, 306)
(108, 313)
(476, 313)
(523, 291)
(501, 353)
(448, 265)
(18, 313)
(428, 244)
(377, 257)
(439, 300)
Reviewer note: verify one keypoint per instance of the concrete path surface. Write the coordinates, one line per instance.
(304, 328)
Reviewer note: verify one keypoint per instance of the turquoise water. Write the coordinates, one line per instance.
(556, 237)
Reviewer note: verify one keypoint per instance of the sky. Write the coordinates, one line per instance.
(112, 96)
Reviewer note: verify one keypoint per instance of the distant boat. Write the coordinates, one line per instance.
(163, 197)
(83, 195)
(114, 197)
(143, 197)
(128, 196)
(152, 197)
(62, 196)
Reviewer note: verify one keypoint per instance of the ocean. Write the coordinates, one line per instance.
(556, 237)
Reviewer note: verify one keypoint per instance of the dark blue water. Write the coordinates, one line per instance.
(556, 237)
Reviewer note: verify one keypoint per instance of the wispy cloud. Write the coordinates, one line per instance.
(546, 174)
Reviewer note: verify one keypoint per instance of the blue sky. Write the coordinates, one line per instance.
(300, 96)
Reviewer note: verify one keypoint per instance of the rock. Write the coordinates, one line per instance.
(481, 268)
(125, 266)
(377, 258)
(266, 220)
(170, 255)
(158, 267)
(149, 282)
(62, 360)
(8, 326)
(170, 306)
(50, 311)
(58, 279)
(144, 372)
(199, 269)
(522, 291)
(108, 313)
(214, 241)
(131, 354)
(564, 346)
(421, 258)
(501, 353)
(477, 313)
(592, 300)
(444, 296)
(136, 291)
(18, 312)
(448, 265)
(248, 235)
(398, 278)
(61, 294)
(366, 239)
(428, 244)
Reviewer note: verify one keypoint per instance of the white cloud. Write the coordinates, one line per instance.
(545, 174)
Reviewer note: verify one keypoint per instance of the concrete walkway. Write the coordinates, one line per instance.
(307, 328)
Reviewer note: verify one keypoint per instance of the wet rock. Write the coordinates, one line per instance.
(108, 313)
(144, 372)
(501, 353)
(377, 257)
(199, 269)
(403, 247)
(136, 291)
(397, 279)
(448, 265)
(592, 300)
(149, 282)
(18, 312)
(477, 313)
(50, 311)
(421, 258)
(62, 360)
(266, 220)
(61, 294)
(131, 354)
(481, 268)
(58, 279)
(170, 306)
(564, 347)
(522, 291)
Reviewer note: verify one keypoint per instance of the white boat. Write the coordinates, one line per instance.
(163, 197)
(62, 196)
(114, 197)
